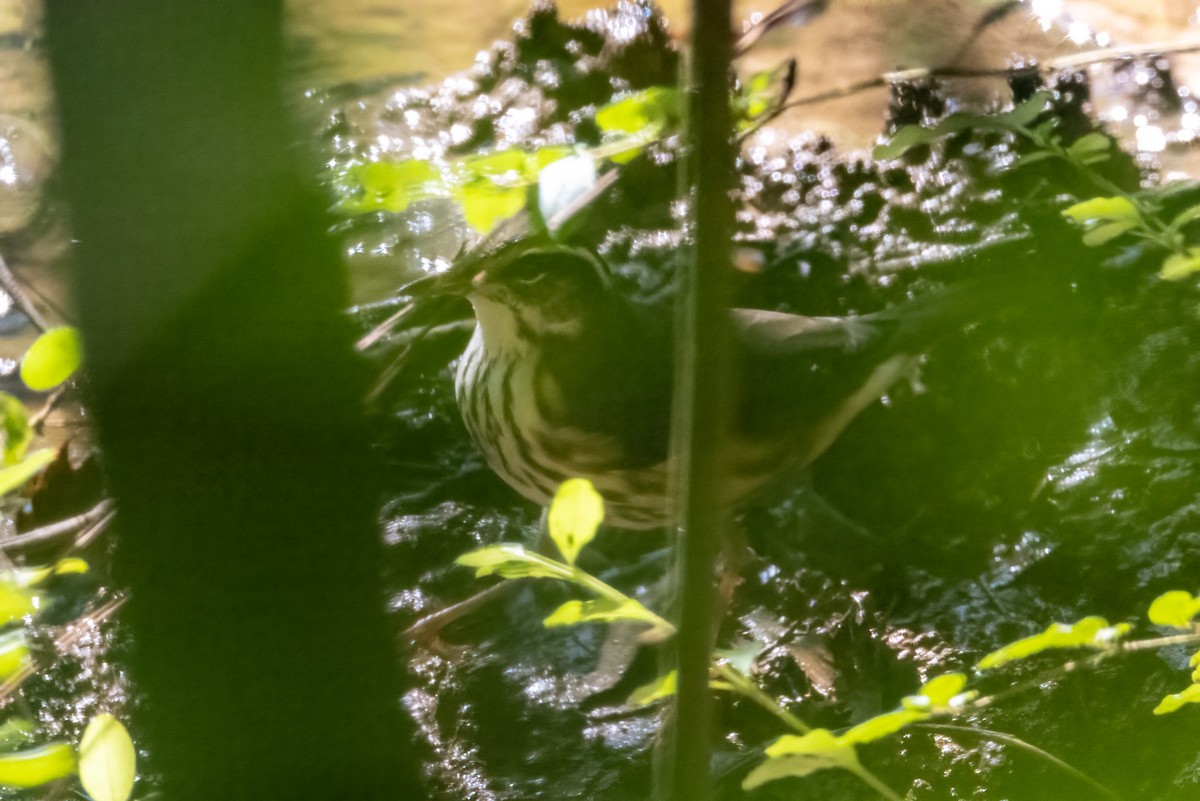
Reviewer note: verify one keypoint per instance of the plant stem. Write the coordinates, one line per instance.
(875, 784)
(1017, 742)
(700, 418)
(741, 684)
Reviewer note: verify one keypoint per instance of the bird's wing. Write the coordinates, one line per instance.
(803, 379)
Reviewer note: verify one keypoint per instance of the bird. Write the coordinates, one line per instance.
(565, 376)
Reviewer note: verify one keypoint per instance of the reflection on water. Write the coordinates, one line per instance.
(423, 41)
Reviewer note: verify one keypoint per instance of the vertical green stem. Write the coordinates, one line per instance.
(701, 392)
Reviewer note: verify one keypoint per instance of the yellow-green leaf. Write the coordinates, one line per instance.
(1106, 232)
(646, 113)
(107, 760)
(575, 513)
(1178, 266)
(14, 733)
(601, 610)
(32, 767)
(1090, 632)
(1175, 608)
(662, 687)
(14, 477)
(16, 601)
(881, 726)
(14, 428)
(942, 692)
(1172, 702)
(485, 203)
(802, 755)
(14, 654)
(1107, 209)
(51, 359)
(512, 561)
(391, 186)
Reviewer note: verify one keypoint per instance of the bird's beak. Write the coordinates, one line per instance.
(455, 281)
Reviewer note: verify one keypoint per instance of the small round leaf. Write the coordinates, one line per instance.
(51, 359)
(107, 760)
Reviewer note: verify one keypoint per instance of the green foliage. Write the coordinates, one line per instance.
(599, 610)
(575, 514)
(1090, 632)
(802, 755)
(1178, 266)
(107, 760)
(1176, 608)
(14, 654)
(574, 517)
(1171, 703)
(14, 477)
(511, 561)
(14, 428)
(662, 687)
(32, 767)
(946, 693)
(1113, 213)
(52, 359)
(14, 733)
(1016, 121)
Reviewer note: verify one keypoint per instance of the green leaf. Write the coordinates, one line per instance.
(14, 477)
(14, 428)
(1090, 144)
(764, 90)
(1107, 209)
(512, 562)
(32, 767)
(662, 687)
(14, 733)
(1175, 608)
(485, 204)
(1033, 158)
(16, 601)
(390, 186)
(1184, 217)
(1178, 266)
(1106, 232)
(940, 693)
(1091, 632)
(14, 654)
(902, 141)
(601, 610)
(741, 657)
(883, 725)
(575, 513)
(51, 359)
(107, 760)
(1172, 702)
(1026, 112)
(646, 113)
(803, 755)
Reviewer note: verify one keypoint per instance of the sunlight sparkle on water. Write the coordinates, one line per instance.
(1046, 12)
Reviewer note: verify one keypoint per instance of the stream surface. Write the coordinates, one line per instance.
(1042, 468)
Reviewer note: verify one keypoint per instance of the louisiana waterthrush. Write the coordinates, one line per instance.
(567, 377)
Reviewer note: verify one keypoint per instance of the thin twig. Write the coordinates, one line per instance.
(73, 632)
(58, 529)
(38, 418)
(1077, 60)
(1017, 742)
(10, 284)
(89, 535)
